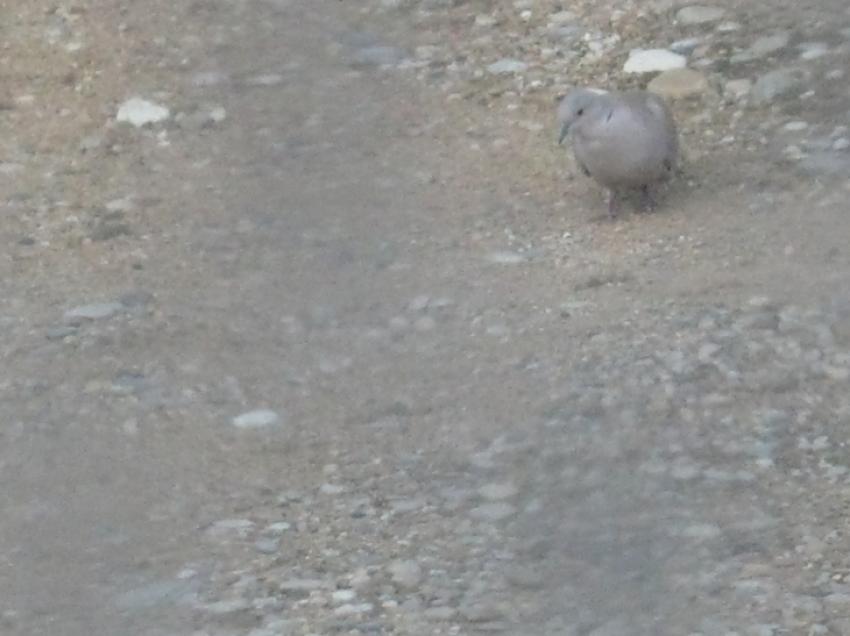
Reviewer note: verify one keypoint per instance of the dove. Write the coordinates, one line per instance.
(621, 140)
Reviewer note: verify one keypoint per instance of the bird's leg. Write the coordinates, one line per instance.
(613, 206)
(648, 200)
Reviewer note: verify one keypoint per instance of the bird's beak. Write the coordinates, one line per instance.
(565, 130)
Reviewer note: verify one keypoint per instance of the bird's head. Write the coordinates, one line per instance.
(578, 104)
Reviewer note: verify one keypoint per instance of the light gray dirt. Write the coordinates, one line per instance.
(343, 346)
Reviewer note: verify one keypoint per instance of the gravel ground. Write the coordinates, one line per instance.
(311, 328)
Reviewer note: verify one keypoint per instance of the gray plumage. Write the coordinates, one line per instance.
(622, 140)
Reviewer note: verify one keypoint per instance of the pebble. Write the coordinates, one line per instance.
(156, 594)
(444, 613)
(507, 66)
(300, 585)
(343, 596)
(795, 126)
(686, 46)
(267, 546)
(737, 89)
(208, 78)
(221, 608)
(679, 83)
(141, 112)
(266, 79)
(653, 60)
(425, 323)
(60, 333)
(98, 311)
(698, 14)
(812, 50)
(485, 21)
(728, 27)
(278, 528)
(260, 418)
(496, 492)
(405, 574)
(493, 512)
(762, 47)
(240, 527)
(353, 610)
(378, 56)
(775, 84)
(842, 143)
(506, 258)
(482, 612)
(331, 489)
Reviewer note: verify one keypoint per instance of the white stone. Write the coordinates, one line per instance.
(842, 143)
(507, 66)
(495, 492)
(813, 50)
(737, 88)
(343, 596)
(97, 311)
(795, 126)
(698, 14)
(259, 418)
(653, 60)
(141, 112)
(506, 258)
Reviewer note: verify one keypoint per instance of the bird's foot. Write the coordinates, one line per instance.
(613, 205)
(649, 203)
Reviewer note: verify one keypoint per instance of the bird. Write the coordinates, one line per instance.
(620, 139)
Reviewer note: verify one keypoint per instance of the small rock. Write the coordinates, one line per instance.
(405, 574)
(260, 418)
(220, 608)
(775, 84)
(425, 323)
(379, 56)
(493, 512)
(294, 586)
(141, 112)
(343, 596)
(331, 489)
(98, 311)
(698, 14)
(506, 258)
(562, 17)
(686, 46)
(420, 303)
(60, 333)
(728, 27)
(653, 60)
(482, 612)
(812, 50)
(278, 528)
(795, 126)
(267, 79)
(496, 492)
(208, 78)
(842, 143)
(737, 89)
(353, 610)
(762, 47)
(507, 66)
(526, 577)
(679, 83)
(440, 613)
(156, 594)
(267, 546)
(239, 527)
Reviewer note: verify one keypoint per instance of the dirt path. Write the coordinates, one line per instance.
(477, 408)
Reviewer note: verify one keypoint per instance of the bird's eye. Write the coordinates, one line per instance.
(580, 112)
